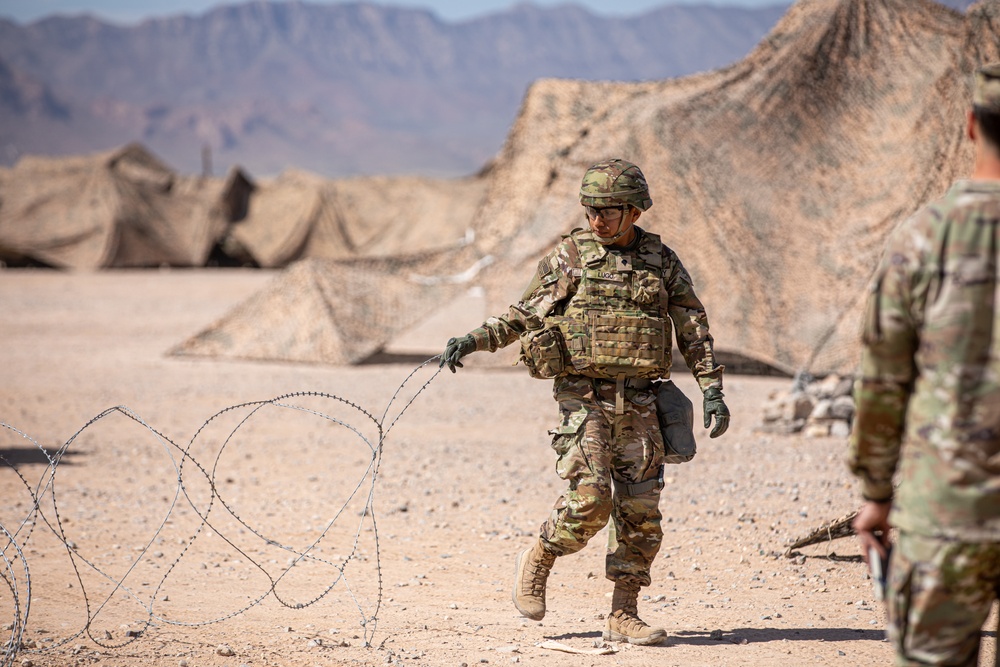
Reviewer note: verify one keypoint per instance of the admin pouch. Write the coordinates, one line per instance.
(676, 415)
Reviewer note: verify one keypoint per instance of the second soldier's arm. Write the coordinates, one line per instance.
(888, 371)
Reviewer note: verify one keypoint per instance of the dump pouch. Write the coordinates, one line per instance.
(676, 415)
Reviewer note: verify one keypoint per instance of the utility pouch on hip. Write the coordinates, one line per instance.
(543, 352)
(676, 415)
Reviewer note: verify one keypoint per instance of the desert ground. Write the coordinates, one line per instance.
(330, 527)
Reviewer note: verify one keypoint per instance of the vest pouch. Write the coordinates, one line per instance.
(543, 352)
(577, 340)
(676, 416)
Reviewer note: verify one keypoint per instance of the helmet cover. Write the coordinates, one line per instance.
(615, 183)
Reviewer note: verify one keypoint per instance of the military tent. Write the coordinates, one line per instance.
(370, 257)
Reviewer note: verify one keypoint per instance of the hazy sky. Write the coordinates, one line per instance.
(131, 11)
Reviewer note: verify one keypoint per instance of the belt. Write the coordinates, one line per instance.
(630, 383)
(622, 385)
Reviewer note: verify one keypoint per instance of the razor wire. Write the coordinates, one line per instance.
(188, 472)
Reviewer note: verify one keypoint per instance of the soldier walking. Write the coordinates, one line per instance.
(930, 378)
(597, 318)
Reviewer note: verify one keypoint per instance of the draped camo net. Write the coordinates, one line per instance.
(327, 312)
(776, 180)
(114, 209)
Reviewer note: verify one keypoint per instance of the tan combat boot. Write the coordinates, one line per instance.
(624, 624)
(531, 571)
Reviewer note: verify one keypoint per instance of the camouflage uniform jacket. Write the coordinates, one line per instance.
(558, 276)
(930, 370)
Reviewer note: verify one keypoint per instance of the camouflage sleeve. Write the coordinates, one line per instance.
(551, 284)
(888, 370)
(690, 323)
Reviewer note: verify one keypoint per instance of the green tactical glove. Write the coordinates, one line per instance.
(456, 349)
(714, 405)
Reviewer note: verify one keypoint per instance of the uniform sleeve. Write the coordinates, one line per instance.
(550, 286)
(888, 370)
(690, 324)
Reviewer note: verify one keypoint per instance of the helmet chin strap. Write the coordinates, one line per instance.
(609, 240)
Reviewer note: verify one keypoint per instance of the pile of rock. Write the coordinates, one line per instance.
(815, 408)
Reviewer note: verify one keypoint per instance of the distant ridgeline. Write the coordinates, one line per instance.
(339, 89)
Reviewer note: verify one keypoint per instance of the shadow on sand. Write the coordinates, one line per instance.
(750, 636)
(22, 456)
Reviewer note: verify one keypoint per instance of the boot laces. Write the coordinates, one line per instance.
(539, 570)
(628, 620)
(626, 612)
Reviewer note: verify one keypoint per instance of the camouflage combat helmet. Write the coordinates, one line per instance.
(613, 183)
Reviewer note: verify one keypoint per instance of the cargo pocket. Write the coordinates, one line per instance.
(871, 327)
(898, 596)
(567, 441)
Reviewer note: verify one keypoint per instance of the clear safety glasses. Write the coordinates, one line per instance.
(609, 213)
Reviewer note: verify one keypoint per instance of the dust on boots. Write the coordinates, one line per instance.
(531, 571)
(624, 624)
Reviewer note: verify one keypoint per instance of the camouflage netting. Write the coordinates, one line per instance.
(342, 311)
(309, 313)
(776, 180)
(301, 215)
(125, 208)
(122, 208)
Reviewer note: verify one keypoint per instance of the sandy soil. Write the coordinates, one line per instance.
(426, 542)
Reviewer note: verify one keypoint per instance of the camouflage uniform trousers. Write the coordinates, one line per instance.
(939, 595)
(595, 446)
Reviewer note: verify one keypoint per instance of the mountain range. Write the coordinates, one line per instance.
(341, 89)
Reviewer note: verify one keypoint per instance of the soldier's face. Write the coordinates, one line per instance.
(607, 221)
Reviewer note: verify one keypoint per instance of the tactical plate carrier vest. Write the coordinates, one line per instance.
(613, 325)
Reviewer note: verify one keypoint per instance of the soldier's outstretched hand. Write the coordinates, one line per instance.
(715, 406)
(455, 350)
